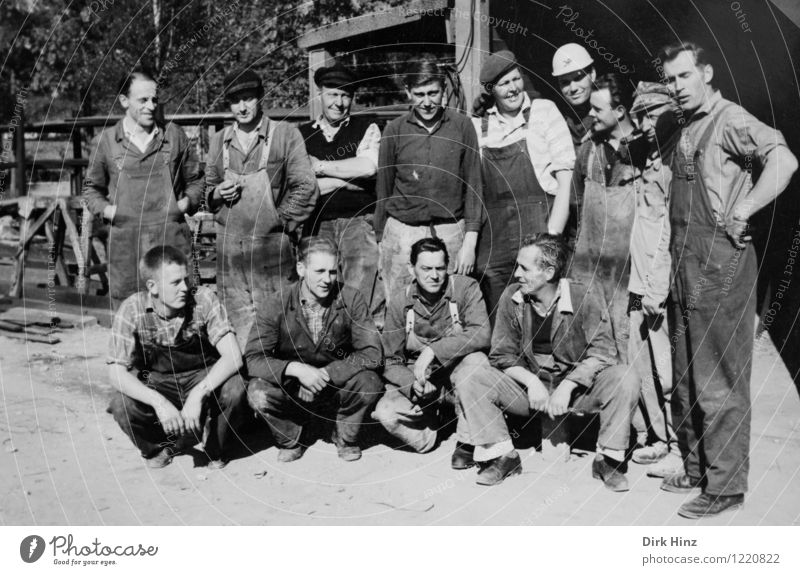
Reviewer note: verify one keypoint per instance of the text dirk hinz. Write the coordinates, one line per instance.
(672, 542)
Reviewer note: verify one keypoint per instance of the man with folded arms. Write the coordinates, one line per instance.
(553, 352)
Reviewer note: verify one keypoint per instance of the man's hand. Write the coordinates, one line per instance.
(170, 418)
(559, 401)
(652, 307)
(305, 395)
(465, 260)
(422, 364)
(192, 409)
(317, 165)
(537, 395)
(229, 191)
(311, 378)
(736, 232)
(109, 212)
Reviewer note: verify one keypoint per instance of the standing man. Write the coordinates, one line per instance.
(606, 175)
(344, 156)
(429, 180)
(260, 184)
(310, 346)
(649, 347)
(712, 197)
(142, 178)
(552, 352)
(434, 330)
(174, 361)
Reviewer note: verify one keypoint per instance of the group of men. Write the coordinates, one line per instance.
(642, 199)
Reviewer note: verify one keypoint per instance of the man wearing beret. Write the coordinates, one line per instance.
(260, 184)
(648, 287)
(344, 154)
(429, 180)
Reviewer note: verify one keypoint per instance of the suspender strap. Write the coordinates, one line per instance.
(454, 312)
(226, 153)
(411, 316)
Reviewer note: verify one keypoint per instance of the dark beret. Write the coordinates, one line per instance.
(240, 80)
(496, 65)
(336, 76)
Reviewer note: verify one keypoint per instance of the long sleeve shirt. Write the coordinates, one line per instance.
(429, 177)
(581, 334)
(294, 185)
(347, 344)
(113, 151)
(435, 327)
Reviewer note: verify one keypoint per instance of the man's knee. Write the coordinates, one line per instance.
(367, 385)
(258, 392)
(233, 392)
(626, 384)
(388, 406)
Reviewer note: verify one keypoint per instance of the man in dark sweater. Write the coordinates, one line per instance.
(344, 156)
(310, 347)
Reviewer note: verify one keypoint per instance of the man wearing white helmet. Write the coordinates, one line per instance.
(573, 68)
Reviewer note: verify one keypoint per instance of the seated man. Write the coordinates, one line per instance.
(174, 360)
(553, 343)
(311, 346)
(434, 329)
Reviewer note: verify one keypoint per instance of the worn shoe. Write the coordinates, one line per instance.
(216, 464)
(289, 455)
(462, 456)
(348, 452)
(499, 468)
(610, 472)
(680, 483)
(672, 464)
(707, 505)
(161, 459)
(650, 454)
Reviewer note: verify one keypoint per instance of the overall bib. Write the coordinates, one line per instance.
(255, 258)
(515, 205)
(147, 216)
(602, 251)
(712, 312)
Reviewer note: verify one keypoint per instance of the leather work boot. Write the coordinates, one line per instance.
(707, 505)
(610, 472)
(161, 459)
(289, 455)
(680, 483)
(499, 468)
(462, 456)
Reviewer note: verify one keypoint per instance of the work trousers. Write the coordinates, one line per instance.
(287, 415)
(226, 408)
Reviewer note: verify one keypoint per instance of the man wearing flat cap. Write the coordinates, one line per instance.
(344, 155)
(260, 184)
(648, 286)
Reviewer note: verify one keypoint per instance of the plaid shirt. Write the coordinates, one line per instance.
(314, 314)
(208, 319)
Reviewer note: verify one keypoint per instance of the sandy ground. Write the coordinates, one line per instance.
(64, 461)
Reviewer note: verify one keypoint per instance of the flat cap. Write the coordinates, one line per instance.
(244, 79)
(650, 95)
(336, 76)
(496, 65)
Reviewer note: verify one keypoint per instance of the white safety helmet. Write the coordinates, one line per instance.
(570, 58)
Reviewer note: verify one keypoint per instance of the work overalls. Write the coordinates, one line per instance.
(602, 250)
(147, 215)
(712, 312)
(173, 371)
(255, 257)
(515, 205)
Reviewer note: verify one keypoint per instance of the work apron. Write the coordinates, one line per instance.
(147, 216)
(602, 250)
(255, 258)
(515, 205)
(712, 313)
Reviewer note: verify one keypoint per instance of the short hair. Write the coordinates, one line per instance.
(554, 251)
(138, 73)
(316, 244)
(429, 245)
(672, 51)
(423, 72)
(621, 91)
(156, 258)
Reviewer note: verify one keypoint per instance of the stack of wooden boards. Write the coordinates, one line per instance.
(40, 325)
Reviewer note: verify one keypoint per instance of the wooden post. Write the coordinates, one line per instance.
(477, 50)
(316, 59)
(19, 148)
